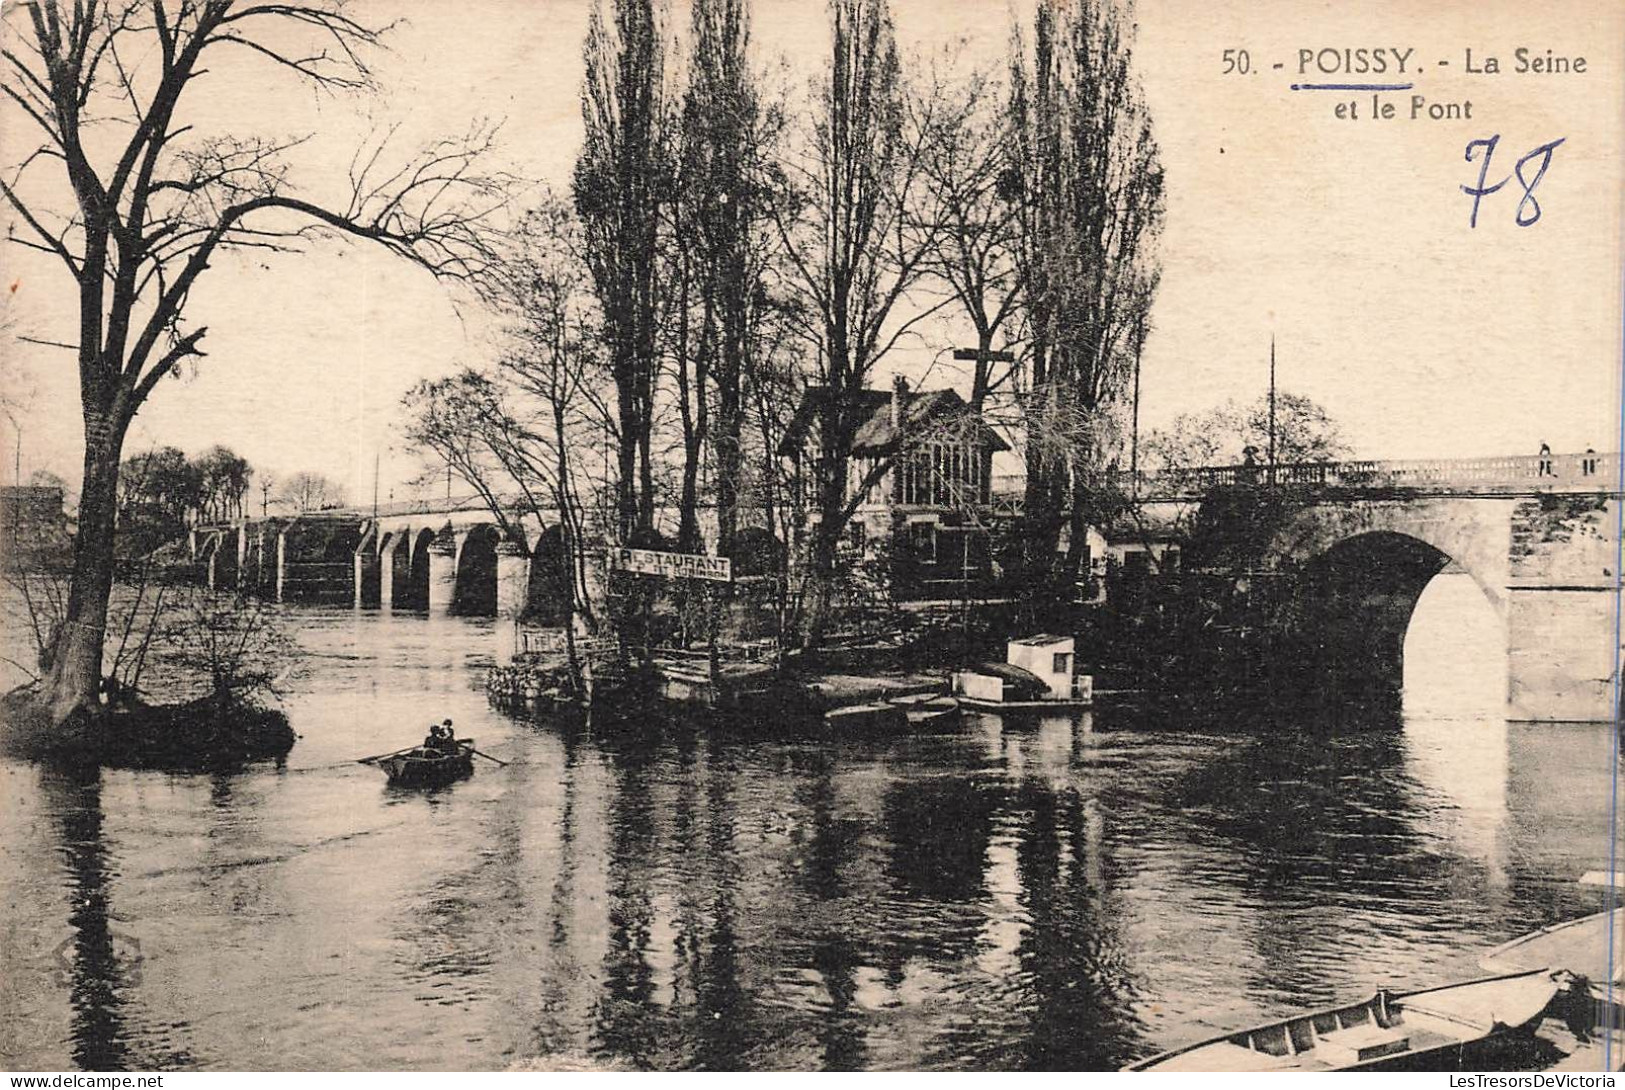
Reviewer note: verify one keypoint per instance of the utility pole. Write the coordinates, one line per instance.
(1272, 410)
(375, 484)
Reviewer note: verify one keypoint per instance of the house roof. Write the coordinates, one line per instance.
(1041, 639)
(875, 432)
(1126, 530)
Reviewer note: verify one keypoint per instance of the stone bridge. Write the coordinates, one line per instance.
(1355, 544)
(1539, 535)
(445, 556)
(1548, 564)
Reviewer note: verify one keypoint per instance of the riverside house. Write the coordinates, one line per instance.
(923, 461)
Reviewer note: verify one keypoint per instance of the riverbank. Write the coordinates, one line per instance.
(196, 735)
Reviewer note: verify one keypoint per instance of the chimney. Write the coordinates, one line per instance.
(899, 391)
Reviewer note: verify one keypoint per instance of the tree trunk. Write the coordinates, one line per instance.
(730, 433)
(826, 542)
(688, 511)
(1083, 513)
(76, 669)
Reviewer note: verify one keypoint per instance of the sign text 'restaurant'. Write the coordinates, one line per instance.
(671, 565)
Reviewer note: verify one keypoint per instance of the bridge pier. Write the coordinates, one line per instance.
(1560, 654)
(513, 579)
(394, 570)
(368, 571)
(1562, 646)
(443, 572)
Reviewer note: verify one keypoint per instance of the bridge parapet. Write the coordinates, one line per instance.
(1588, 472)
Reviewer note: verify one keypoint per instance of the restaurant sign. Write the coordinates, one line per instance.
(671, 565)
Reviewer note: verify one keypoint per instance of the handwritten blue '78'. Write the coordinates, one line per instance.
(1528, 210)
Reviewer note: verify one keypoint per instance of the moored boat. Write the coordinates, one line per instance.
(926, 711)
(1423, 1030)
(1592, 948)
(874, 719)
(422, 766)
(1038, 675)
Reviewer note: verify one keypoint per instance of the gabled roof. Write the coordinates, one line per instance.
(875, 432)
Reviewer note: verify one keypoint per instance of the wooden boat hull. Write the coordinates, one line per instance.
(1581, 947)
(1026, 705)
(867, 719)
(1425, 1030)
(420, 767)
(928, 711)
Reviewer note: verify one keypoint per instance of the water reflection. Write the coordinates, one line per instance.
(97, 970)
(1061, 892)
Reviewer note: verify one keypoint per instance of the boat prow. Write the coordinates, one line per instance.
(1386, 1031)
(1581, 946)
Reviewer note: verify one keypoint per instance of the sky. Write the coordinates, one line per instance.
(1346, 240)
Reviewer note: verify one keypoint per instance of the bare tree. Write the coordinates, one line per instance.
(459, 422)
(847, 221)
(1304, 432)
(553, 332)
(970, 197)
(1089, 186)
(306, 492)
(687, 313)
(146, 213)
(225, 477)
(517, 435)
(232, 644)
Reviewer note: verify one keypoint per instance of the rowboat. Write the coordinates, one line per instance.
(1424, 1030)
(422, 766)
(928, 711)
(1589, 1034)
(876, 718)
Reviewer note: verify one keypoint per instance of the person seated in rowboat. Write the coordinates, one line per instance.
(434, 737)
(448, 738)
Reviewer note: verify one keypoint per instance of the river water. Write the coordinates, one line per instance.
(1070, 893)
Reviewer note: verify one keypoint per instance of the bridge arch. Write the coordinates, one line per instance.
(1475, 534)
(1348, 578)
(549, 581)
(417, 581)
(476, 558)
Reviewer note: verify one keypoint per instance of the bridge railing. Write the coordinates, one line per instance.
(1516, 473)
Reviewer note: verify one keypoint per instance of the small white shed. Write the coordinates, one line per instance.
(1051, 658)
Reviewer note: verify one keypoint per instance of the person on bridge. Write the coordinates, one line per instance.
(1588, 464)
(1545, 467)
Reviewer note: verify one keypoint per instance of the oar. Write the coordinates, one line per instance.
(381, 756)
(487, 756)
